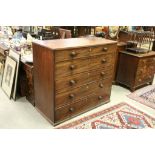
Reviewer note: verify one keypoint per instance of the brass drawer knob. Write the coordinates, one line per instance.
(103, 60)
(72, 67)
(71, 109)
(105, 49)
(72, 82)
(71, 96)
(100, 97)
(73, 54)
(101, 85)
(102, 73)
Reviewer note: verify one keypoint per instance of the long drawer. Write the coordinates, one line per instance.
(83, 91)
(69, 68)
(77, 80)
(75, 108)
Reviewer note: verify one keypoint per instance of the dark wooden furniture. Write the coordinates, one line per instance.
(121, 46)
(72, 76)
(78, 31)
(28, 68)
(136, 70)
(26, 82)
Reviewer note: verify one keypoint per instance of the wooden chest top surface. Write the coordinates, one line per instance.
(59, 44)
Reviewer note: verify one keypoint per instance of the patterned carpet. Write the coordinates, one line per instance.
(120, 116)
(145, 96)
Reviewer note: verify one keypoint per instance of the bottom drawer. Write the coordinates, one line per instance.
(78, 107)
(143, 80)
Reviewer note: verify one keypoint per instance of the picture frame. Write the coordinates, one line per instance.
(1, 72)
(8, 76)
(16, 56)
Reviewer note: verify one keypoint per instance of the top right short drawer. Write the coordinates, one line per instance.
(103, 49)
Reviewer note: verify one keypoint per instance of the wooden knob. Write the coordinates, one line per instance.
(89, 49)
(100, 97)
(150, 77)
(73, 54)
(101, 85)
(105, 49)
(71, 109)
(102, 73)
(72, 67)
(71, 96)
(140, 80)
(103, 60)
(72, 82)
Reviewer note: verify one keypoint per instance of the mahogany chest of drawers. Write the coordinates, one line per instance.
(72, 76)
(136, 70)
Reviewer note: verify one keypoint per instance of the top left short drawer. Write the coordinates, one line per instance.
(70, 54)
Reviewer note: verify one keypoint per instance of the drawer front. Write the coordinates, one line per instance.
(103, 49)
(71, 54)
(69, 68)
(77, 80)
(147, 61)
(99, 86)
(146, 70)
(75, 108)
(73, 95)
(140, 80)
(102, 61)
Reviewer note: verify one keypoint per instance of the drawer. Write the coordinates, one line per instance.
(70, 82)
(71, 54)
(147, 61)
(103, 49)
(146, 70)
(74, 95)
(81, 106)
(140, 80)
(68, 68)
(102, 61)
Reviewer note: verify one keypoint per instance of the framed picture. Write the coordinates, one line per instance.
(8, 76)
(16, 56)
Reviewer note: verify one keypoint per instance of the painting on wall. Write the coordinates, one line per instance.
(8, 77)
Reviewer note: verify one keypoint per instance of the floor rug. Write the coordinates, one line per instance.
(120, 116)
(145, 96)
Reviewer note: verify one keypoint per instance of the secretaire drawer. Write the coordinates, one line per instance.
(103, 49)
(71, 67)
(71, 54)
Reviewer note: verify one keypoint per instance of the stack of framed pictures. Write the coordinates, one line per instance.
(10, 75)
